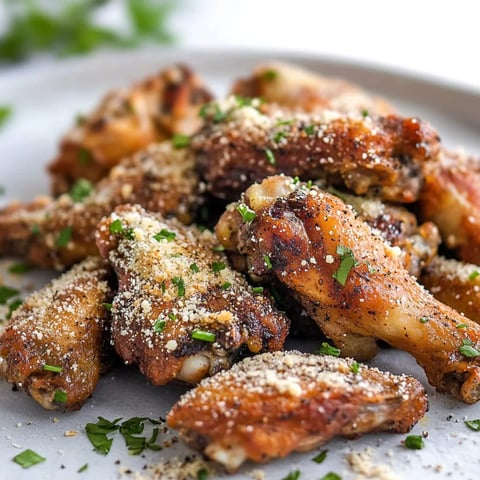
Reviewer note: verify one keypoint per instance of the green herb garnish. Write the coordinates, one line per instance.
(81, 190)
(172, 316)
(60, 396)
(180, 284)
(468, 350)
(6, 293)
(194, 268)
(473, 424)
(257, 289)
(218, 248)
(327, 349)
(84, 156)
(268, 262)
(28, 458)
(270, 74)
(355, 368)
(204, 336)
(97, 434)
(424, 319)
(159, 326)
(82, 468)
(414, 442)
(461, 325)
(279, 136)
(347, 262)
(218, 266)
(64, 237)
(12, 306)
(320, 457)
(295, 475)
(248, 215)
(108, 306)
(165, 234)
(331, 476)
(19, 268)
(52, 368)
(474, 275)
(310, 130)
(180, 141)
(225, 286)
(270, 156)
(5, 113)
(116, 228)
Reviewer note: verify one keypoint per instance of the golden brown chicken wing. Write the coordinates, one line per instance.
(299, 89)
(181, 311)
(127, 121)
(456, 284)
(451, 199)
(55, 343)
(57, 233)
(243, 142)
(351, 282)
(272, 404)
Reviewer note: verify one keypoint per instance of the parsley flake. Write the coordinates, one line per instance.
(108, 307)
(258, 289)
(180, 141)
(474, 275)
(327, 349)
(28, 458)
(116, 228)
(295, 475)
(165, 234)
(268, 262)
(355, 368)
(159, 326)
(218, 266)
(365, 113)
(320, 458)
(225, 286)
(331, 476)
(270, 156)
(180, 284)
(19, 268)
(64, 237)
(60, 396)
(414, 442)
(468, 350)
(52, 368)
(310, 130)
(248, 215)
(347, 262)
(270, 74)
(82, 468)
(473, 424)
(424, 319)
(5, 114)
(84, 156)
(6, 293)
(204, 336)
(194, 268)
(461, 325)
(81, 189)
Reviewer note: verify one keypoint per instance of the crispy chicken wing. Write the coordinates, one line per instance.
(57, 233)
(243, 142)
(298, 89)
(125, 122)
(54, 345)
(181, 311)
(456, 284)
(451, 199)
(351, 282)
(272, 404)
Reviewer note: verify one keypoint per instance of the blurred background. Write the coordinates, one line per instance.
(437, 39)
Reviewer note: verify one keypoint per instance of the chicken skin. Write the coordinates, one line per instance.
(456, 284)
(243, 142)
(127, 121)
(272, 404)
(181, 312)
(57, 233)
(55, 343)
(295, 88)
(451, 199)
(350, 281)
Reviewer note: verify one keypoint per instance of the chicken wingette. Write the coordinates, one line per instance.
(350, 281)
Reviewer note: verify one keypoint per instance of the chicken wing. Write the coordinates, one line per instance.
(456, 284)
(272, 404)
(54, 345)
(351, 282)
(125, 122)
(57, 233)
(181, 311)
(451, 199)
(243, 142)
(298, 89)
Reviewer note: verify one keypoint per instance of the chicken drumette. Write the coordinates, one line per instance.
(127, 121)
(57, 340)
(272, 404)
(181, 311)
(350, 281)
(57, 233)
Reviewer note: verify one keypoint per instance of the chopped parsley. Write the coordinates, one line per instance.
(279, 136)
(12, 307)
(327, 349)
(218, 266)
(424, 319)
(461, 325)
(296, 180)
(180, 141)
(81, 189)
(116, 228)
(6, 293)
(82, 468)
(28, 458)
(194, 268)
(2, 190)
(258, 289)
(295, 475)
(218, 248)
(414, 442)
(97, 434)
(159, 326)
(331, 476)
(60, 396)
(35, 229)
(84, 156)
(52, 368)
(225, 286)
(19, 268)
(248, 215)
(468, 350)
(180, 284)
(355, 368)
(270, 156)
(165, 234)
(172, 316)
(64, 237)
(268, 262)
(202, 474)
(309, 184)
(310, 130)
(108, 307)
(473, 424)
(365, 113)
(204, 336)
(474, 275)
(5, 114)
(347, 262)
(270, 74)
(320, 457)
(282, 123)
(213, 111)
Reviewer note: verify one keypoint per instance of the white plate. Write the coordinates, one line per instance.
(45, 102)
